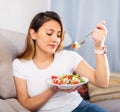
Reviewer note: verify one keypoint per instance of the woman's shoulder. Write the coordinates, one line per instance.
(20, 62)
(67, 52)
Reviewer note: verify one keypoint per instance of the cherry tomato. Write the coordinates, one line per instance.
(54, 77)
(75, 82)
(74, 46)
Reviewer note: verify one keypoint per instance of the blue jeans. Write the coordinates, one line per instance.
(86, 106)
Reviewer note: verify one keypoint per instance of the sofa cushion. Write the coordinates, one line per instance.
(112, 92)
(16, 105)
(5, 107)
(110, 105)
(11, 44)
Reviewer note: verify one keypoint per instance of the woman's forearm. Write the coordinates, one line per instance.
(102, 70)
(34, 103)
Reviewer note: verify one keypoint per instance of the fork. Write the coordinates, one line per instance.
(77, 45)
(82, 42)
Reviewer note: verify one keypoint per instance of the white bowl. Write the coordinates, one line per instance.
(67, 86)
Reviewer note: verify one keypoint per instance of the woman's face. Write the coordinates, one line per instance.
(48, 37)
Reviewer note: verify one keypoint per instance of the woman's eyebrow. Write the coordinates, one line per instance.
(49, 29)
(52, 30)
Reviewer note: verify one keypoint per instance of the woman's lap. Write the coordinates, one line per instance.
(86, 106)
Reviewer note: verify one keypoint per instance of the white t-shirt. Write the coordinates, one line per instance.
(64, 62)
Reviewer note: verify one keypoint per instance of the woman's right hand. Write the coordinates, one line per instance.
(56, 89)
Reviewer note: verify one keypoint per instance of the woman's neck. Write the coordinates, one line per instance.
(42, 60)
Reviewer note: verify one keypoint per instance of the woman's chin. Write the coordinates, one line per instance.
(52, 51)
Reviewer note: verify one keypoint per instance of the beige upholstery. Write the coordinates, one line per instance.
(112, 92)
(11, 44)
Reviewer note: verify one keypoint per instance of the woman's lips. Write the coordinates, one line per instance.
(53, 45)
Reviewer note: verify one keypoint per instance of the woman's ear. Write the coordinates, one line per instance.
(33, 34)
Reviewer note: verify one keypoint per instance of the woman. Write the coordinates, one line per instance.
(43, 56)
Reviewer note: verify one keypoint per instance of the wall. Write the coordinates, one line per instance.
(17, 14)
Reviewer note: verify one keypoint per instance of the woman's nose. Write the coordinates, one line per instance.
(55, 38)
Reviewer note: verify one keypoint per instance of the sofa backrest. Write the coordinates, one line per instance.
(11, 44)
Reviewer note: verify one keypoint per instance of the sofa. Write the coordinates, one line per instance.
(108, 98)
(11, 44)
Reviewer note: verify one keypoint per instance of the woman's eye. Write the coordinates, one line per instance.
(49, 34)
(59, 36)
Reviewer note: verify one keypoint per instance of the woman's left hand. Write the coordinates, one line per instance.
(99, 34)
(55, 88)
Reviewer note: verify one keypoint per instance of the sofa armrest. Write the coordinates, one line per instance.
(5, 107)
(112, 92)
(16, 105)
(11, 105)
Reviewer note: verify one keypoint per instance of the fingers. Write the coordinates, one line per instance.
(102, 22)
(100, 30)
(101, 26)
(99, 34)
(56, 89)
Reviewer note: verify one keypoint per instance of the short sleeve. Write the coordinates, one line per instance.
(71, 58)
(76, 59)
(18, 69)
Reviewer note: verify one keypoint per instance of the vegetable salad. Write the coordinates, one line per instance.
(67, 79)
